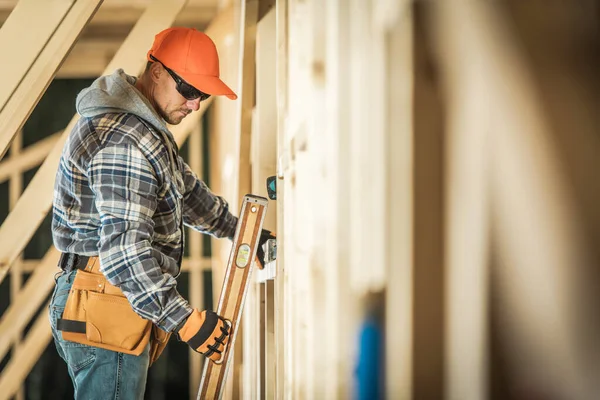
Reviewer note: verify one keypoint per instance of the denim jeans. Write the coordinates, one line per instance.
(96, 373)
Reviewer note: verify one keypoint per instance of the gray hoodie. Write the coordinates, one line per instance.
(116, 93)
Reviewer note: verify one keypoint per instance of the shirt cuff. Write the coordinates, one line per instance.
(177, 313)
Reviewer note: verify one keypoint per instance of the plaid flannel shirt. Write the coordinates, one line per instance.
(123, 193)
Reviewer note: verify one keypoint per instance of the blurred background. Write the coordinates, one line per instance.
(437, 212)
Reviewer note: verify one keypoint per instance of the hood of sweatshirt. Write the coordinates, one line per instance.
(116, 93)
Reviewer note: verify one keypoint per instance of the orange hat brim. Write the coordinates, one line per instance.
(208, 84)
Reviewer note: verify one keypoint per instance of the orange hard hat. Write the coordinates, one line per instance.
(193, 56)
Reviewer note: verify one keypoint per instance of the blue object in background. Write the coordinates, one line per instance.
(370, 364)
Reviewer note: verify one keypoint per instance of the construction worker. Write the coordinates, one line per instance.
(122, 195)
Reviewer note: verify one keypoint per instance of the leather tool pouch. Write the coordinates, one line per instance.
(98, 314)
(160, 339)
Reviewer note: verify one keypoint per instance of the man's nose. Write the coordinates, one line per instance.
(194, 104)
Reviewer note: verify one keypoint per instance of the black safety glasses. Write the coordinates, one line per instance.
(184, 88)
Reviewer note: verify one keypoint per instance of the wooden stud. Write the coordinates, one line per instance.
(247, 79)
(259, 350)
(17, 109)
(466, 157)
(16, 278)
(399, 206)
(428, 217)
(264, 164)
(46, 17)
(28, 158)
(29, 299)
(281, 348)
(196, 281)
(18, 367)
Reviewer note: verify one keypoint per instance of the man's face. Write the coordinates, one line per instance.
(170, 104)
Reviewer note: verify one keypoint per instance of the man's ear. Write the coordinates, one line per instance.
(155, 72)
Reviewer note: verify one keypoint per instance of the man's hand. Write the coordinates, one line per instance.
(260, 252)
(205, 332)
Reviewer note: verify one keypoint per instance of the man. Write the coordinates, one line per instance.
(122, 194)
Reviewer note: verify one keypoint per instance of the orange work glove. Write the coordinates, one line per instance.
(205, 332)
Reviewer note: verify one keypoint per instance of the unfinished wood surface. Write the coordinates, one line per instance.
(28, 158)
(33, 84)
(281, 349)
(196, 280)
(20, 364)
(222, 145)
(543, 73)
(467, 173)
(245, 104)
(23, 221)
(399, 205)
(16, 278)
(251, 340)
(45, 16)
(259, 347)
(28, 300)
(428, 216)
(247, 82)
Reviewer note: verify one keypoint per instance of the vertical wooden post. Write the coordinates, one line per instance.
(281, 346)
(428, 217)
(467, 153)
(264, 164)
(16, 276)
(247, 80)
(196, 273)
(400, 201)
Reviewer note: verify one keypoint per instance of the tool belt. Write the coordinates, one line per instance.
(98, 314)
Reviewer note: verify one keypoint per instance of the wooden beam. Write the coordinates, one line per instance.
(30, 157)
(196, 279)
(190, 15)
(399, 205)
(118, 4)
(247, 81)
(27, 302)
(46, 17)
(39, 74)
(23, 221)
(118, 21)
(428, 217)
(467, 241)
(281, 93)
(264, 164)
(89, 58)
(16, 276)
(21, 363)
